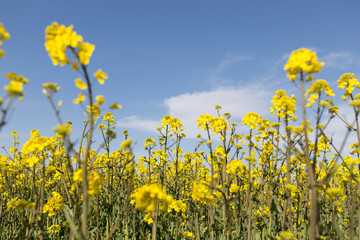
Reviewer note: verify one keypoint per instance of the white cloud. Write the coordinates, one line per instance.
(135, 122)
(237, 101)
(340, 60)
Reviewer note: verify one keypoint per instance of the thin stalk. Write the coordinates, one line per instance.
(85, 187)
(314, 228)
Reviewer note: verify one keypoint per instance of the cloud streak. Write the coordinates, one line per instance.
(340, 60)
(230, 59)
(135, 122)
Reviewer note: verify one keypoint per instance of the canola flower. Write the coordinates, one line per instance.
(316, 89)
(202, 194)
(283, 106)
(80, 84)
(50, 89)
(100, 76)
(302, 60)
(59, 38)
(215, 124)
(251, 119)
(16, 84)
(348, 82)
(4, 35)
(20, 204)
(54, 204)
(148, 197)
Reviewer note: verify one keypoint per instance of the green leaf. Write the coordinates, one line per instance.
(73, 227)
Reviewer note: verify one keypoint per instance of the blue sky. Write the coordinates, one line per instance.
(175, 57)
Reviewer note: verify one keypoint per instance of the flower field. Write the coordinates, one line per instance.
(280, 180)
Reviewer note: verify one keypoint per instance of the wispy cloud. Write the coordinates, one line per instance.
(230, 59)
(136, 122)
(216, 76)
(340, 60)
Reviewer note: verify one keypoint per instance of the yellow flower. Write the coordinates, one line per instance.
(78, 175)
(302, 60)
(32, 161)
(216, 124)
(16, 85)
(54, 204)
(57, 39)
(349, 82)
(251, 119)
(100, 76)
(177, 205)
(50, 88)
(100, 99)
(189, 235)
(174, 124)
(53, 229)
(149, 142)
(126, 144)
(316, 88)
(236, 167)
(86, 50)
(15, 88)
(14, 133)
(201, 193)
(334, 192)
(20, 204)
(148, 196)
(4, 35)
(234, 188)
(148, 218)
(80, 84)
(63, 130)
(285, 235)
(75, 66)
(15, 77)
(94, 183)
(284, 106)
(79, 99)
(115, 106)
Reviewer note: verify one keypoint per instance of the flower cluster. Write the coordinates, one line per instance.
(302, 60)
(201, 193)
(215, 124)
(4, 35)
(59, 38)
(16, 84)
(284, 106)
(148, 197)
(54, 204)
(316, 89)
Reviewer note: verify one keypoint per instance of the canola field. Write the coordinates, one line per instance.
(281, 180)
